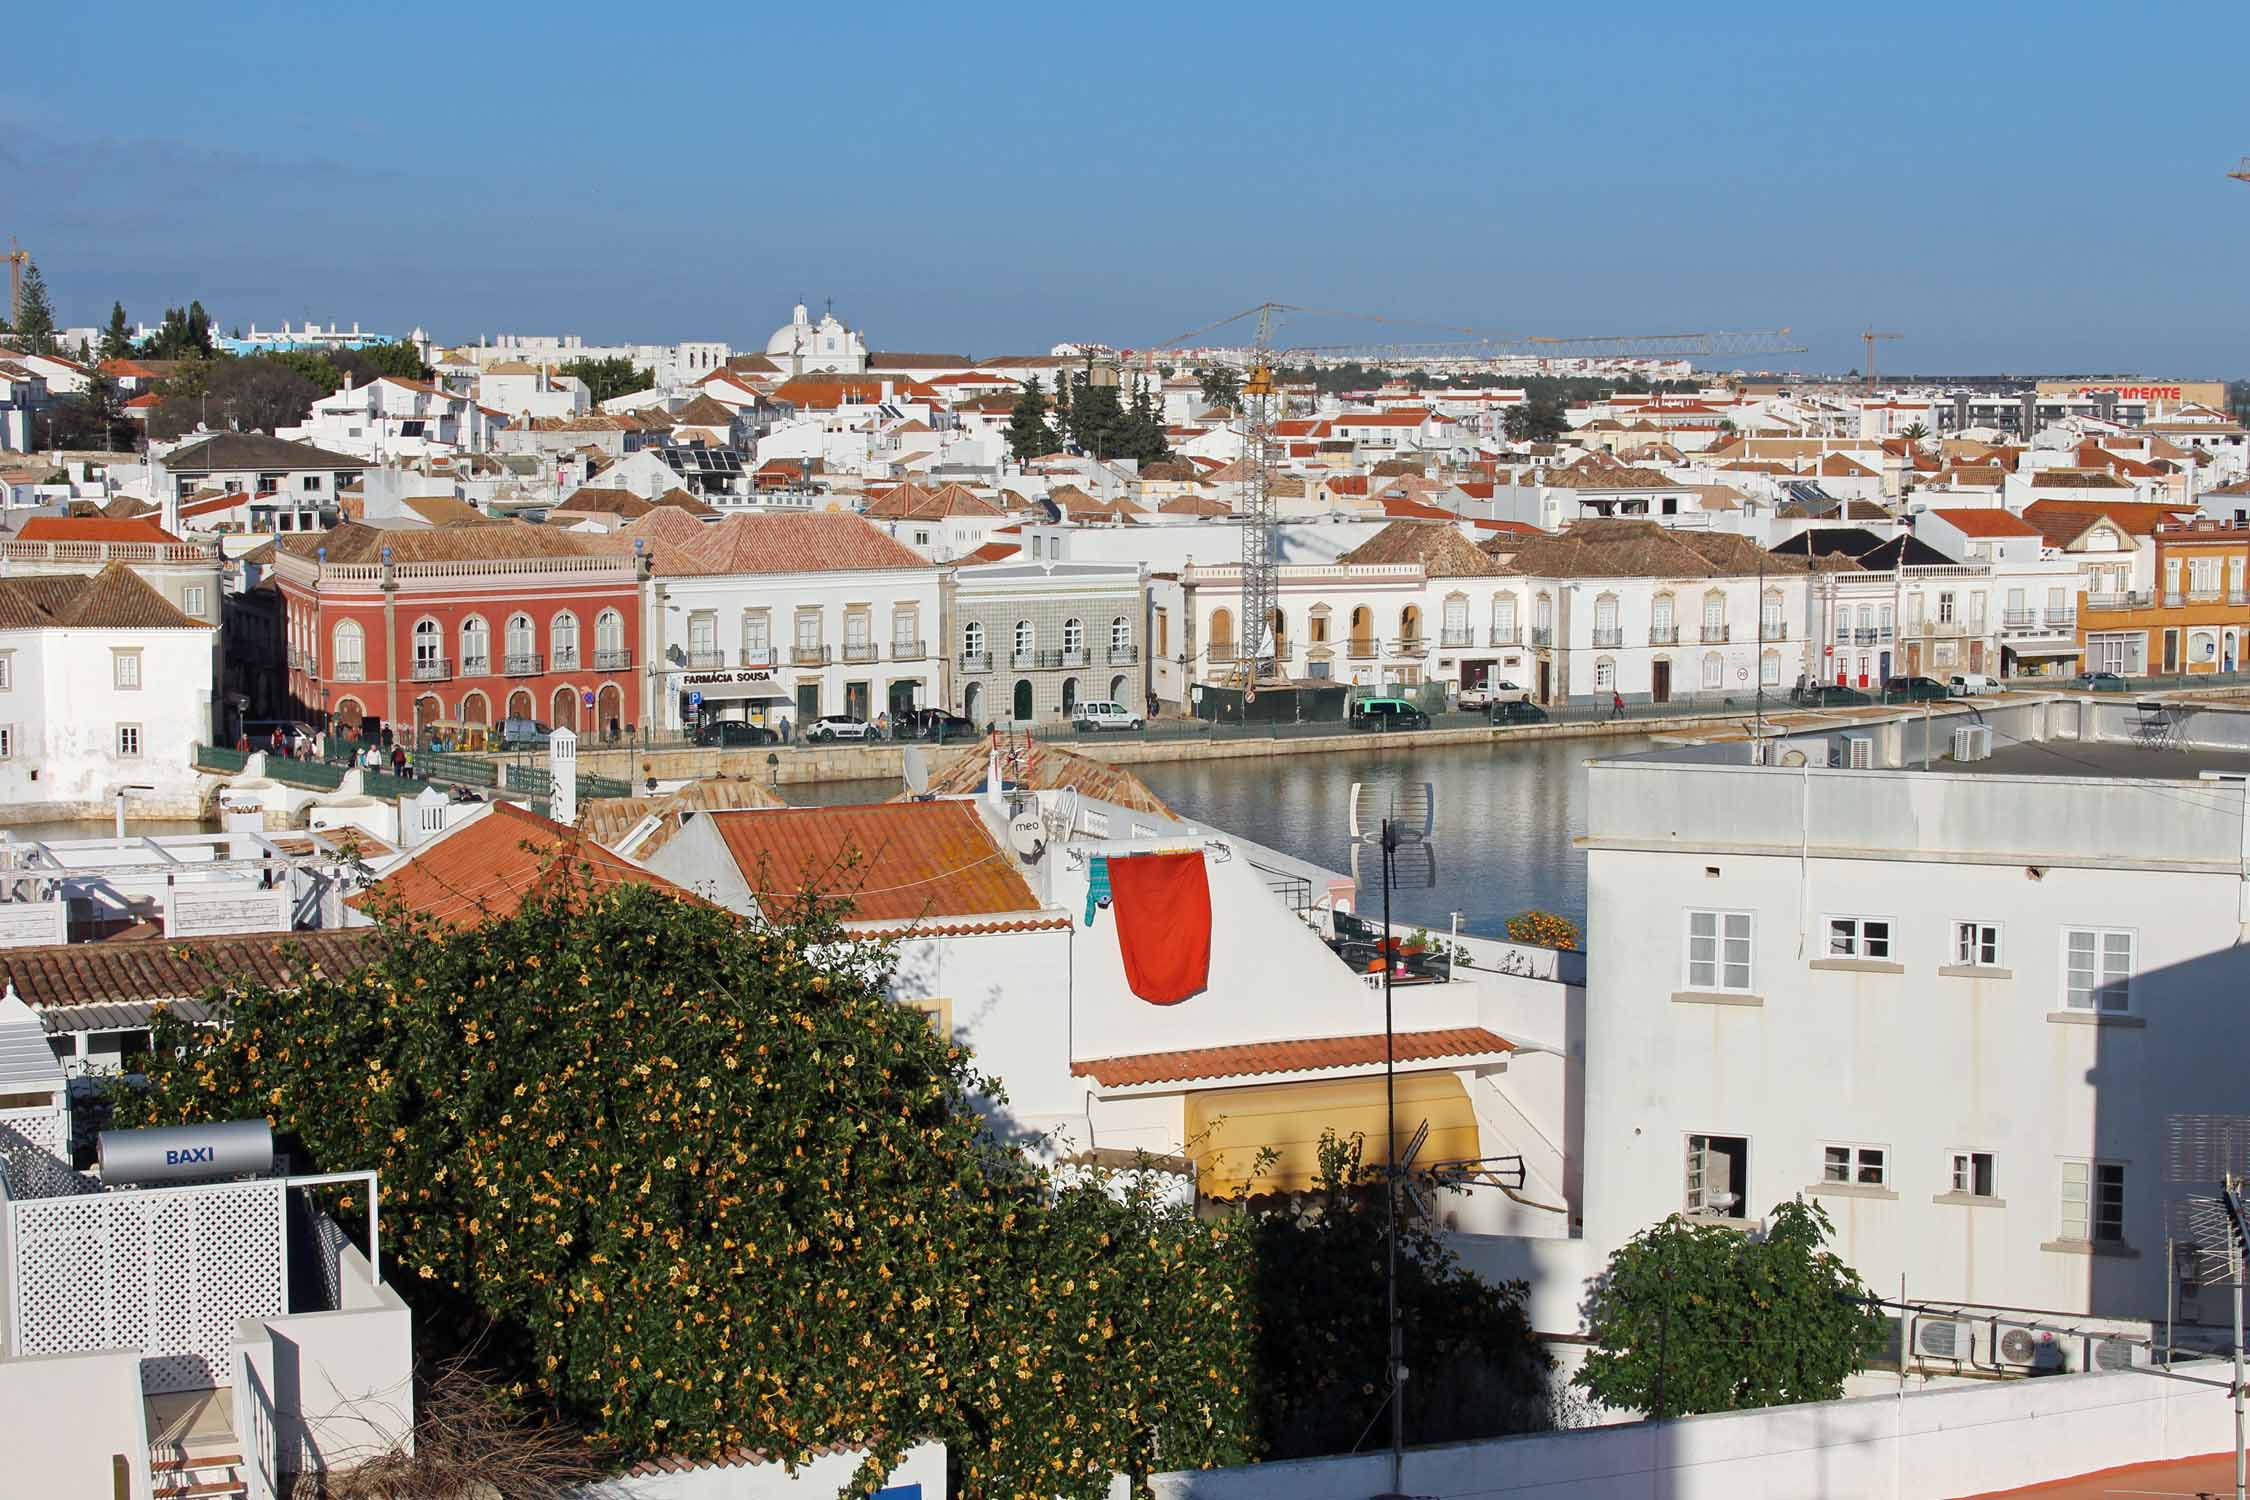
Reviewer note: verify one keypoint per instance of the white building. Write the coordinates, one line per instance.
(1979, 1005)
(1029, 641)
(526, 391)
(394, 418)
(103, 684)
(801, 345)
(779, 616)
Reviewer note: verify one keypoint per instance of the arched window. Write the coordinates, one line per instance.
(1363, 631)
(349, 663)
(1222, 635)
(1663, 625)
(1607, 632)
(1503, 620)
(1605, 674)
(1410, 626)
(429, 649)
(972, 638)
(1074, 642)
(562, 640)
(1715, 616)
(476, 647)
(609, 641)
(1027, 641)
(523, 641)
(1120, 638)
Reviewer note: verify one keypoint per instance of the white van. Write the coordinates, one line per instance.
(1092, 718)
(1971, 684)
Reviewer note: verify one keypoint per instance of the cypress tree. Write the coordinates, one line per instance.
(1029, 436)
(35, 315)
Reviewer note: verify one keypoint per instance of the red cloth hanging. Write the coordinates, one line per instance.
(1162, 904)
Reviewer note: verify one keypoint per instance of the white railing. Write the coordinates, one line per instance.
(96, 552)
(253, 1421)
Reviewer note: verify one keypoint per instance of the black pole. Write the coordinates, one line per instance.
(1394, 1331)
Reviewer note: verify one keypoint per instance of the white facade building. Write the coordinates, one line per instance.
(394, 418)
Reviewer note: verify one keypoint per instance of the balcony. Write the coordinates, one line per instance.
(2062, 619)
(1606, 637)
(1411, 645)
(431, 669)
(757, 656)
(1074, 658)
(861, 651)
(1223, 651)
(347, 670)
(1511, 636)
(2018, 619)
(1362, 650)
(909, 650)
(705, 659)
(1716, 635)
(523, 664)
(2127, 599)
(1664, 635)
(1124, 656)
(802, 655)
(2173, 598)
(1773, 630)
(566, 659)
(612, 659)
(976, 661)
(1542, 635)
(2237, 598)
(1456, 640)
(2205, 596)
(476, 666)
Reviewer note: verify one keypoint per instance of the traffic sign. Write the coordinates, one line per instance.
(695, 701)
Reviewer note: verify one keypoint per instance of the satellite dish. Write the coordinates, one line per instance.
(1027, 834)
(917, 771)
(1793, 758)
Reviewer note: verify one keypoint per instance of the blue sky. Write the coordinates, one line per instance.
(2014, 187)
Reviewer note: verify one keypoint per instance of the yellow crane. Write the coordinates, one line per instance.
(2241, 172)
(1869, 338)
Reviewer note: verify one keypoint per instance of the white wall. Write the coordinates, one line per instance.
(1927, 1445)
(919, 1476)
(65, 709)
(343, 1381)
(69, 1416)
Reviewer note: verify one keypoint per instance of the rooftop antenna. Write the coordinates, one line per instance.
(1392, 819)
(2220, 1242)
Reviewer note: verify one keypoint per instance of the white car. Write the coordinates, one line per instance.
(838, 727)
(1494, 690)
(1092, 718)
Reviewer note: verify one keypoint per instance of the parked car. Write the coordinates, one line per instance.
(932, 724)
(1093, 718)
(2102, 682)
(1518, 710)
(831, 727)
(1492, 690)
(1388, 714)
(1913, 690)
(725, 733)
(524, 732)
(1971, 684)
(1827, 695)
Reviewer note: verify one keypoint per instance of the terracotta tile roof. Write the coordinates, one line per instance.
(994, 552)
(1194, 505)
(911, 502)
(894, 861)
(92, 529)
(116, 598)
(447, 510)
(1409, 417)
(254, 450)
(607, 820)
(1986, 522)
(355, 542)
(486, 866)
(679, 499)
(1438, 546)
(1312, 1055)
(819, 542)
(2076, 479)
(1048, 768)
(1642, 549)
(138, 975)
(2064, 521)
(598, 500)
(969, 929)
(1595, 477)
(703, 412)
(822, 392)
(899, 360)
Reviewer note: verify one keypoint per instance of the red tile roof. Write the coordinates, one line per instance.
(818, 542)
(899, 861)
(485, 867)
(994, 552)
(1986, 522)
(1313, 1055)
(140, 974)
(92, 529)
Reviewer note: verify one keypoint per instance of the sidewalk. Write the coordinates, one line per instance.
(2208, 1478)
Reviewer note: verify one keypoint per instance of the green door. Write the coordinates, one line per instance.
(808, 702)
(1023, 699)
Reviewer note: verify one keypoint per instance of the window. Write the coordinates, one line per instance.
(2097, 968)
(1718, 1174)
(972, 638)
(609, 631)
(1027, 638)
(808, 629)
(939, 1013)
(1718, 951)
(1945, 608)
(859, 629)
(1859, 937)
(7, 742)
(1121, 633)
(428, 647)
(2093, 1202)
(1976, 945)
(129, 740)
(703, 635)
(125, 670)
(476, 646)
(523, 636)
(1860, 1165)
(312, 481)
(350, 648)
(1605, 674)
(1074, 636)
(194, 599)
(562, 634)
(1769, 669)
(7, 671)
(1714, 672)
(1972, 1174)
(1660, 616)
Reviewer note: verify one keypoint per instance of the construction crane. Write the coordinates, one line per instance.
(1261, 565)
(18, 258)
(2241, 172)
(1869, 338)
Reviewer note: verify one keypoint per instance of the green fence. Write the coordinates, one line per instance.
(311, 773)
(384, 784)
(219, 758)
(463, 770)
(532, 779)
(590, 785)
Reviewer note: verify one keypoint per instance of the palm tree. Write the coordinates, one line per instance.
(1914, 432)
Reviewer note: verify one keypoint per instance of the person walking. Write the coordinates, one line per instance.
(398, 760)
(1616, 704)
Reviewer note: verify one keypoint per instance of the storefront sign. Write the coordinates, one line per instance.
(734, 685)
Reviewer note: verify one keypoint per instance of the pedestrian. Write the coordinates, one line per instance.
(1616, 704)
(398, 760)
(242, 742)
(409, 763)
(788, 731)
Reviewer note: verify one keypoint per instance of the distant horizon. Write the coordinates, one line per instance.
(1000, 181)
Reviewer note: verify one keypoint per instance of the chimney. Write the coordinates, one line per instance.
(887, 392)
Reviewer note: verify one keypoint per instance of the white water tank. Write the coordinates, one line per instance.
(185, 1153)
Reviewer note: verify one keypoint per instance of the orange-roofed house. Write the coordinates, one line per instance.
(483, 866)
(187, 574)
(2193, 620)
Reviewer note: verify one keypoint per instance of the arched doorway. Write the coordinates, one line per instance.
(427, 711)
(519, 705)
(1117, 687)
(972, 704)
(1070, 695)
(349, 714)
(1222, 635)
(1023, 699)
(475, 710)
(565, 709)
(609, 710)
(1363, 631)
(1410, 627)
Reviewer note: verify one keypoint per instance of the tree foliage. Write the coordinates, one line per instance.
(117, 338)
(1222, 385)
(1698, 1317)
(34, 331)
(1103, 421)
(93, 418)
(688, 1182)
(257, 393)
(1029, 436)
(185, 333)
(1538, 420)
(605, 378)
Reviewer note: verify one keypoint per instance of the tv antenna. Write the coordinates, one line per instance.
(1394, 820)
(2220, 1242)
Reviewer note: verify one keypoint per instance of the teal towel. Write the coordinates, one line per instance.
(1097, 886)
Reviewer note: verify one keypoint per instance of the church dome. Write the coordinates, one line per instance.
(790, 335)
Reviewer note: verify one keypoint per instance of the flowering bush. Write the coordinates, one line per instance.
(1543, 929)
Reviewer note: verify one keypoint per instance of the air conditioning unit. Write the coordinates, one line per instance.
(1972, 742)
(1943, 1338)
(1859, 751)
(2027, 1349)
(2116, 1353)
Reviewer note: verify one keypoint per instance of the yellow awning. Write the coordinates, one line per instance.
(1228, 1128)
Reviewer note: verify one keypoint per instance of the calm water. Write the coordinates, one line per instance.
(1506, 816)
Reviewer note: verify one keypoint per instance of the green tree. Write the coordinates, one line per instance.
(97, 417)
(1914, 432)
(117, 339)
(1697, 1317)
(1143, 435)
(1539, 420)
(35, 314)
(1222, 385)
(605, 378)
(256, 393)
(372, 361)
(185, 333)
(1097, 418)
(1029, 436)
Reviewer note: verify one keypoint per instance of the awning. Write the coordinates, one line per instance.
(1229, 1128)
(746, 685)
